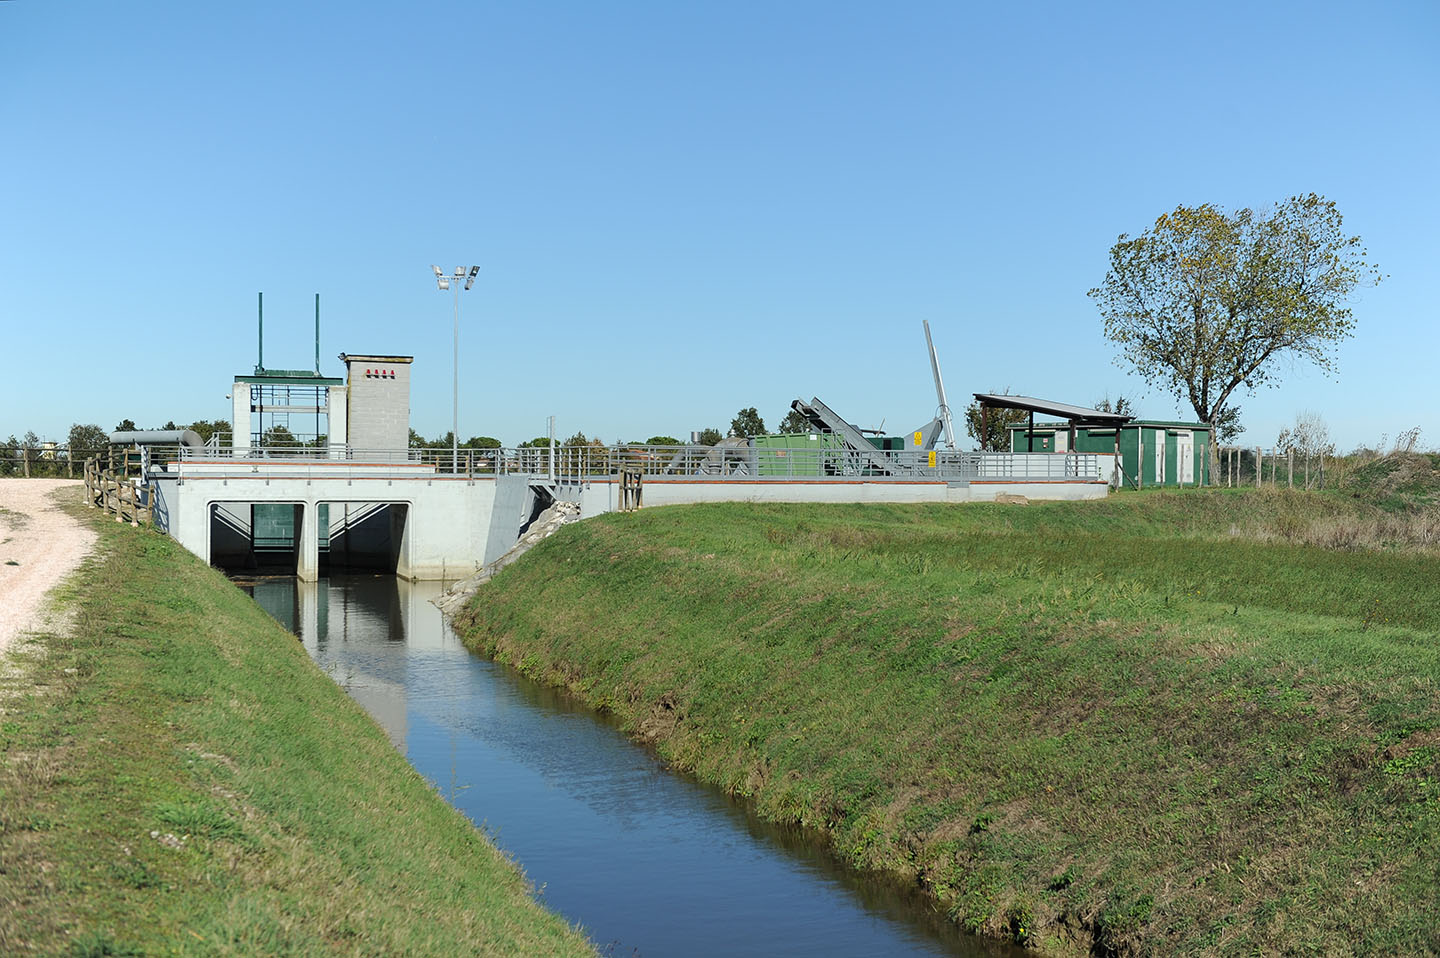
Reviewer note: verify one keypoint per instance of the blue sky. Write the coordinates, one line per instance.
(680, 210)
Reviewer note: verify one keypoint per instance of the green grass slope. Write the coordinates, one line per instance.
(1161, 723)
(180, 779)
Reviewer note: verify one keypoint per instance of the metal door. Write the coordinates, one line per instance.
(1185, 457)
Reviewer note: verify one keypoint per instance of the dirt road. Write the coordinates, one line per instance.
(39, 546)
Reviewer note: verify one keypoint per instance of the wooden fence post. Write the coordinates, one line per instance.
(1290, 468)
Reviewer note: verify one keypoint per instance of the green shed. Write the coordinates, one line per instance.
(1153, 452)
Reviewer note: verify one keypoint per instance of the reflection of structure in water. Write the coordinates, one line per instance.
(354, 628)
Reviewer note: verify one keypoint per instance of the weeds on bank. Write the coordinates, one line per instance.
(176, 777)
(1119, 720)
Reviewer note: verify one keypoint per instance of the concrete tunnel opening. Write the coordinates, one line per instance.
(265, 538)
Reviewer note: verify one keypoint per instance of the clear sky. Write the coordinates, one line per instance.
(682, 209)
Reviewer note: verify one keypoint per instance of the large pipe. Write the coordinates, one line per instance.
(150, 437)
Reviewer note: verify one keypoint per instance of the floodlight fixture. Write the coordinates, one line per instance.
(470, 280)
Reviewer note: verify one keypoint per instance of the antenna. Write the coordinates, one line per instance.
(940, 390)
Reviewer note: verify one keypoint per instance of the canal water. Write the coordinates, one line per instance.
(650, 863)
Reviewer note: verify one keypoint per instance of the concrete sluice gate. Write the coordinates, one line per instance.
(264, 538)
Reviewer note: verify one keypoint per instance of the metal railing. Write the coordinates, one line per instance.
(741, 462)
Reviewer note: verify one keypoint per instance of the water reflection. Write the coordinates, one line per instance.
(651, 863)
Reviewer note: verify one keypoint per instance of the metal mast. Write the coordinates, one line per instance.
(940, 390)
(446, 282)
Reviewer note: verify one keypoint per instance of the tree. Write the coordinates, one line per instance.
(991, 429)
(482, 442)
(1205, 302)
(86, 440)
(539, 442)
(1308, 438)
(709, 436)
(1227, 424)
(793, 423)
(747, 422)
(1120, 407)
(662, 441)
(124, 425)
(205, 428)
(279, 437)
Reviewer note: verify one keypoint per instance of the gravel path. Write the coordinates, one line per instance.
(39, 546)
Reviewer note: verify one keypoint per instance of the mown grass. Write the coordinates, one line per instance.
(1144, 725)
(177, 778)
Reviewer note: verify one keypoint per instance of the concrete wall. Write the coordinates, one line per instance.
(378, 403)
(441, 534)
(603, 495)
(514, 501)
(240, 417)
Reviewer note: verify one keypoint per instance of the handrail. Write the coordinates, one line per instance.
(655, 462)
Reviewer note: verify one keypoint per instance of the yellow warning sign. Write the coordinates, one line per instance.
(917, 437)
(931, 458)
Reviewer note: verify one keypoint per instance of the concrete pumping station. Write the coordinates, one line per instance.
(357, 497)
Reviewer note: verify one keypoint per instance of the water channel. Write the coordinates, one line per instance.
(650, 863)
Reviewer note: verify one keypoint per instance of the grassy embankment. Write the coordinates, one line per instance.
(178, 777)
(1162, 723)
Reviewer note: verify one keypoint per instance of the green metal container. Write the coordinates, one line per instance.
(800, 454)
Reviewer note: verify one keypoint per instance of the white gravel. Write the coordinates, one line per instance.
(39, 546)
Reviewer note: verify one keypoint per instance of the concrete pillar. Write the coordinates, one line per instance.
(338, 406)
(240, 418)
(307, 566)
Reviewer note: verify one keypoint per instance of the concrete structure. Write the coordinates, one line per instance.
(300, 401)
(378, 406)
(428, 524)
(440, 526)
(366, 501)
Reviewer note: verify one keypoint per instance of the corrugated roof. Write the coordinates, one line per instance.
(1049, 408)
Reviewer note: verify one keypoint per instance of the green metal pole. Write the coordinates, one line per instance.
(318, 389)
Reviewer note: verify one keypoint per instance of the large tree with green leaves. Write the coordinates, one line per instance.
(1206, 302)
(87, 439)
(747, 422)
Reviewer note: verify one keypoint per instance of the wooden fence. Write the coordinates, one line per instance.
(122, 495)
(1257, 466)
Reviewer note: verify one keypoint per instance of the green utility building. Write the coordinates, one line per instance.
(1152, 452)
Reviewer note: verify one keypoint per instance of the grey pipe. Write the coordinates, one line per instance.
(188, 437)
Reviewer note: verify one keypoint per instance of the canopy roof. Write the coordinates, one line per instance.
(1077, 414)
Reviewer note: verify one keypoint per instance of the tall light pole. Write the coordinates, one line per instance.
(448, 282)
